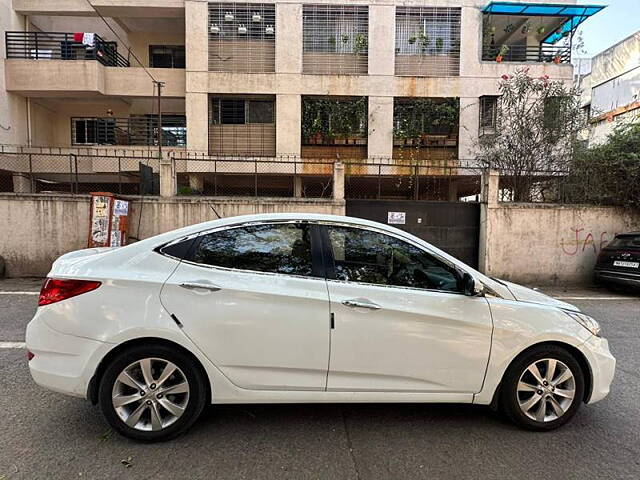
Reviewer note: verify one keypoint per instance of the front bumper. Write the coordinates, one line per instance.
(62, 363)
(602, 364)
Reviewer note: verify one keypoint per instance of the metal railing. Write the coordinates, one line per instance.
(524, 53)
(138, 131)
(62, 46)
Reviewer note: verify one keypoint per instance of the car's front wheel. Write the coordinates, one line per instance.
(543, 388)
(152, 393)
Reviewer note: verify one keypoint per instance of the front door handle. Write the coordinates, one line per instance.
(357, 303)
(205, 286)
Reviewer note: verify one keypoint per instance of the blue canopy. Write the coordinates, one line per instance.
(576, 13)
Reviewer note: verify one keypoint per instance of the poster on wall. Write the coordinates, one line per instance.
(396, 218)
(100, 220)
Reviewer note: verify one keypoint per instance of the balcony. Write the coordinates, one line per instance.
(63, 46)
(140, 130)
(531, 32)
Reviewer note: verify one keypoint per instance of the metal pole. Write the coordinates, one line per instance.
(119, 177)
(159, 85)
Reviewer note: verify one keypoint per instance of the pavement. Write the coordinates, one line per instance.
(47, 435)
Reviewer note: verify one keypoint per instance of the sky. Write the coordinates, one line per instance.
(616, 22)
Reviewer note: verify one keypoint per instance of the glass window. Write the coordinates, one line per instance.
(625, 241)
(166, 56)
(260, 111)
(276, 248)
(84, 131)
(371, 257)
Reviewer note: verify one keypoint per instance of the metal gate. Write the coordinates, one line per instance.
(451, 226)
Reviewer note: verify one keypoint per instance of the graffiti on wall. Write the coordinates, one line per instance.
(580, 241)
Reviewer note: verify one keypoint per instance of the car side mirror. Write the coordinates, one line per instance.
(470, 286)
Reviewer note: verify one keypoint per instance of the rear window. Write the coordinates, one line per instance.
(625, 241)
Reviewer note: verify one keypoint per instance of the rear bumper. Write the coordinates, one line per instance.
(602, 364)
(617, 277)
(62, 363)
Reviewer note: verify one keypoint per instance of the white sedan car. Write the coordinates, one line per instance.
(303, 308)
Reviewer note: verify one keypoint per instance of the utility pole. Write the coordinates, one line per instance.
(159, 85)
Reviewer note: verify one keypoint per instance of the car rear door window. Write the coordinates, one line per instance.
(366, 256)
(271, 248)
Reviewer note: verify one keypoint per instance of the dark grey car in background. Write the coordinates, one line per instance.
(619, 262)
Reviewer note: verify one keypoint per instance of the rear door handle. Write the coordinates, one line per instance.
(356, 303)
(205, 286)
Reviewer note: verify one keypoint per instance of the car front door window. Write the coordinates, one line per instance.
(366, 256)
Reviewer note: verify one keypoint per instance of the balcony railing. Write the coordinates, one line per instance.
(62, 46)
(524, 53)
(138, 131)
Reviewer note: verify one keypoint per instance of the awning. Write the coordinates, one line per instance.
(576, 14)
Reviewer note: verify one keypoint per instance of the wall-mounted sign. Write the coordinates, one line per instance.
(396, 218)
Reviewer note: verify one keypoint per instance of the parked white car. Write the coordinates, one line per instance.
(303, 308)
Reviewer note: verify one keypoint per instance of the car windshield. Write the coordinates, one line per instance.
(626, 241)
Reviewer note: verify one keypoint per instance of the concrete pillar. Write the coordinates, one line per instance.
(380, 142)
(167, 178)
(21, 183)
(382, 34)
(197, 112)
(288, 125)
(490, 187)
(288, 38)
(338, 181)
(470, 41)
(469, 127)
(297, 186)
(196, 22)
(196, 182)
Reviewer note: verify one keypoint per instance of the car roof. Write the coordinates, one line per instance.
(628, 234)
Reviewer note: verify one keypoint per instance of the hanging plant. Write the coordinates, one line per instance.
(412, 40)
(509, 28)
(345, 39)
(541, 30)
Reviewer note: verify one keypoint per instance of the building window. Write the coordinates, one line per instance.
(166, 56)
(335, 39)
(242, 125)
(428, 41)
(83, 131)
(242, 37)
(488, 114)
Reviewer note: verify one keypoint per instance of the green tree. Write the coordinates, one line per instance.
(537, 123)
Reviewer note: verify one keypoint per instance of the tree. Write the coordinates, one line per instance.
(537, 122)
(609, 173)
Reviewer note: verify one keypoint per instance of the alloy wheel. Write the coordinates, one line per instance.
(546, 389)
(150, 394)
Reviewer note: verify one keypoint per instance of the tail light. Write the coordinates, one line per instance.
(55, 289)
(30, 355)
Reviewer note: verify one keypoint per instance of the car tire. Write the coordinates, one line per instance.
(533, 399)
(160, 407)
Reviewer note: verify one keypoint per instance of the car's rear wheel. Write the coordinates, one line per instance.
(152, 393)
(543, 389)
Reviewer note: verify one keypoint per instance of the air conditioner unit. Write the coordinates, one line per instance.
(269, 30)
(214, 28)
(256, 17)
(242, 29)
(228, 17)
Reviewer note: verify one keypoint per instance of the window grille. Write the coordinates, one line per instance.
(242, 126)
(488, 113)
(139, 130)
(242, 37)
(335, 39)
(428, 41)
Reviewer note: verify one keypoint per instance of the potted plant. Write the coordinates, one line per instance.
(504, 49)
(439, 44)
(541, 30)
(557, 59)
(359, 44)
(423, 42)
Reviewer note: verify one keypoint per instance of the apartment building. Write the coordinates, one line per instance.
(611, 89)
(371, 81)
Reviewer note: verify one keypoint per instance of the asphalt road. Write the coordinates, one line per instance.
(47, 435)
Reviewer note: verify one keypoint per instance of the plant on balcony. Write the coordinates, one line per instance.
(416, 120)
(504, 49)
(536, 127)
(360, 44)
(439, 45)
(326, 121)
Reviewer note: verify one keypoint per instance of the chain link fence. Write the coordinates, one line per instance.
(78, 173)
